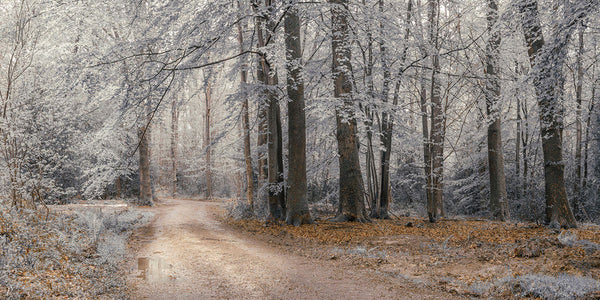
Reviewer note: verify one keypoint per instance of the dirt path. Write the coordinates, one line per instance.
(189, 254)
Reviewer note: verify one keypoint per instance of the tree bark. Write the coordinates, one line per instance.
(351, 205)
(144, 160)
(380, 209)
(436, 206)
(272, 119)
(518, 143)
(297, 206)
(587, 137)
(262, 136)
(547, 62)
(207, 135)
(578, 122)
(387, 123)
(498, 197)
(246, 124)
(174, 143)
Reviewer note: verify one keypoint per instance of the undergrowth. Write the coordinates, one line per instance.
(65, 255)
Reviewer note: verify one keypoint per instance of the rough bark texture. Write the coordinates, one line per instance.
(144, 155)
(387, 122)
(246, 126)
(261, 143)
(435, 207)
(351, 203)
(518, 150)
(270, 117)
(587, 136)
(498, 197)
(207, 137)
(174, 143)
(426, 143)
(380, 210)
(578, 123)
(547, 62)
(297, 206)
(276, 211)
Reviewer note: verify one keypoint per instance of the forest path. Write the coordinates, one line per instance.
(189, 254)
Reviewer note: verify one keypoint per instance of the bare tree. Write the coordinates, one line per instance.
(498, 198)
(144, 158)
(207, 132)
(246, 123)
(174, 143)
(297, 206)
(351, 203)
(435, 207)
(270, 133)
(578, 120)
(547, 60)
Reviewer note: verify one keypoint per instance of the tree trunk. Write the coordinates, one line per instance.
(578, 123)
(436, 206)
(272, 121)
(426, 145)
(207, 137)
(144, 155)
(380, 210)
(518, 143)
(547, 62)
(174, 143)
(498, 198)
(118, 188)
(297, 206)
(587, 137)
(387, 123)
(351, 203)
(246, 124)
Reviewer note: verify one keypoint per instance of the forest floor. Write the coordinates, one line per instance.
(190, 251)
(464, 258)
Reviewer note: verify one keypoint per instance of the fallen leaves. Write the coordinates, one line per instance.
(469, 251)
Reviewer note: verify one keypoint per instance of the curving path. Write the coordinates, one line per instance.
(189, 254)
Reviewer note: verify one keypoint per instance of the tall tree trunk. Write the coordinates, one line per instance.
(547, 62)
(436, 207)
(380, 208)
(518, 141)
(118, 188)
(426, 143)
(387, 123)
(578, 123)
(246, 123)
(297, 206)
(144, 159)
(498, 198)
(262, 136)
(351, 203)
(525, 138)
(207, 136)
(369, 108)
(587, 137)
(274, 167)
(174, 143)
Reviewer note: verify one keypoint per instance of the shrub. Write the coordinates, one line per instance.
(52, 255)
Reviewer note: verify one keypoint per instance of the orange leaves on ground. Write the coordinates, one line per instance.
(468, 232)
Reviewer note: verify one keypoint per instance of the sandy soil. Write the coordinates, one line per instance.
(188, 253)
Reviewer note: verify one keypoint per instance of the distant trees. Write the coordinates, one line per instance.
(399, 76)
